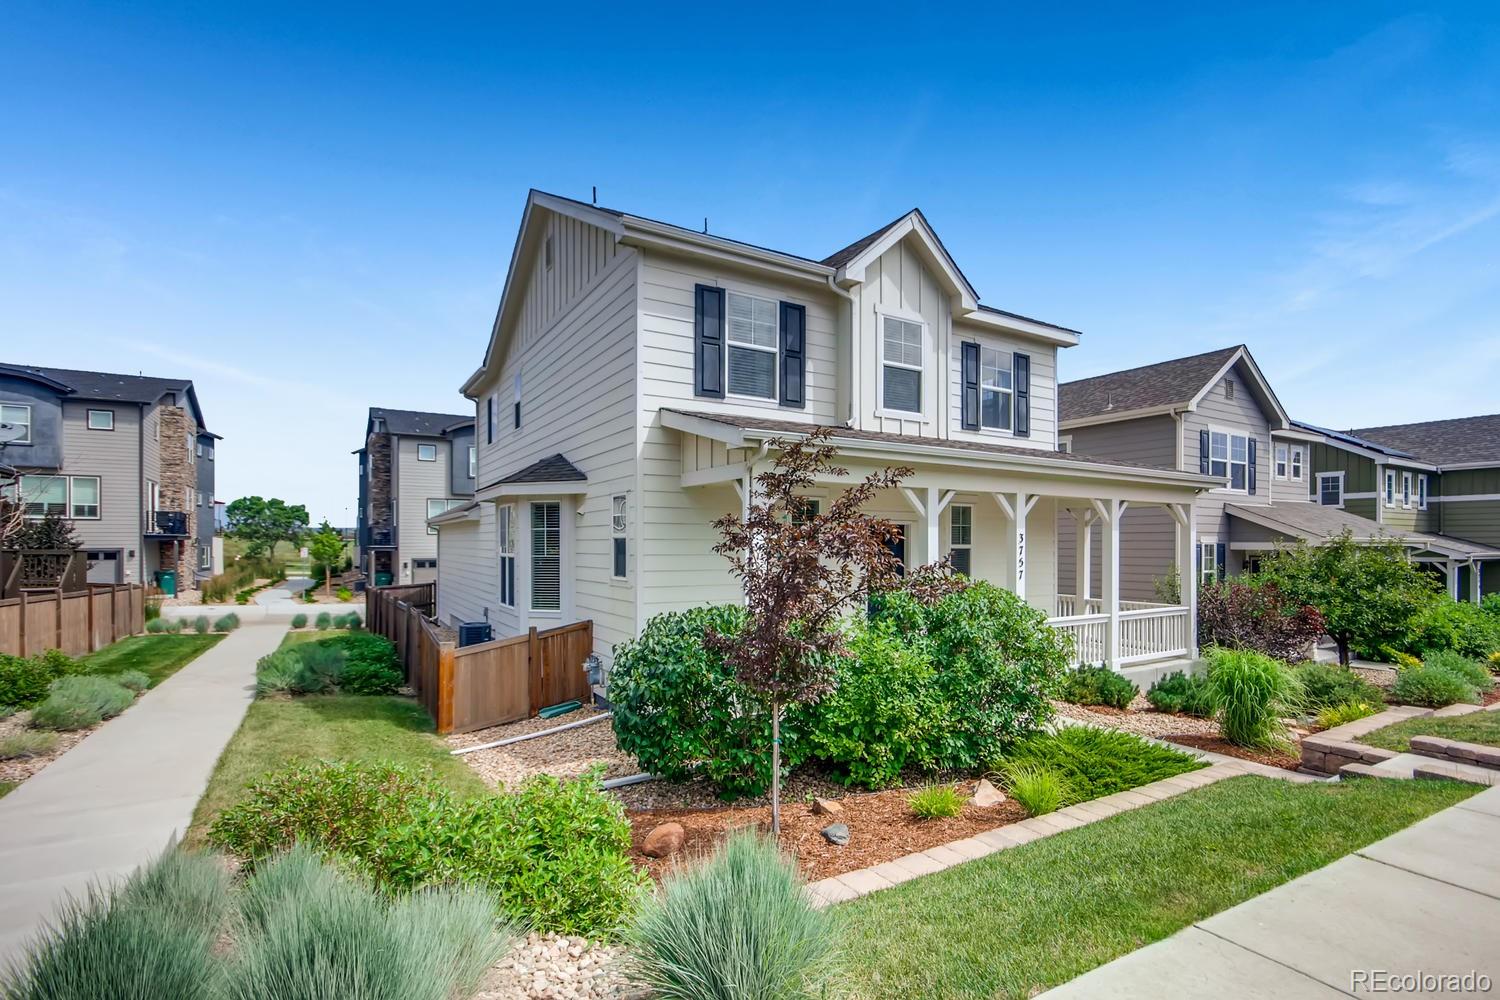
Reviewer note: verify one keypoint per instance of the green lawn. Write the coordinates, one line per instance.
(1476, 727)
(282, 731)
(1035, 916)
(156, 656)
(6, 787)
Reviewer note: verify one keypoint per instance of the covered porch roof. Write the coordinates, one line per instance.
(1317, 523)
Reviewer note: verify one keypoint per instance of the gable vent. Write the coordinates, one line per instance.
(1229, 388)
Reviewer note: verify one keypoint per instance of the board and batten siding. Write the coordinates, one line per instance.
(115, 457)
(416, 483)
(899, 284)
(468, 581)
(577, 363)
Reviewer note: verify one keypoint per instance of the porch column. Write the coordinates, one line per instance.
(1109, 591)
(1016, 506)
(1453, 578)
(1187, 576)
(1083, 548)
(1474, 580)
(929, 506)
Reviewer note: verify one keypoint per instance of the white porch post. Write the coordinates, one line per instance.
(930, 507)
(1453, 578)
(1475, 580)
(1109, 592)
(1083, 548)
(1187, 576)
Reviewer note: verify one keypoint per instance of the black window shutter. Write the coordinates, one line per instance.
(1022, 375)
(1203, 452)
(1250, 466)
(708, 342)
(970, 386)
(793, 355)
(1219, 560)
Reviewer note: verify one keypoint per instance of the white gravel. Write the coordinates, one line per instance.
(564, 755)
(565, 968)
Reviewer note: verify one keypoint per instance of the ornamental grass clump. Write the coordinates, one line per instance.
(200, 625)
(1349, 711)
(227, 623)
(132, 680)
(27, 743)
(1038, 788)
(737, 926)
(81, 701)
(1253, 693)
(936, 802)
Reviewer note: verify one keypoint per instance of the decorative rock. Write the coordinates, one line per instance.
(664, 840)
(827, 807)
(986, 795)
(836, 834)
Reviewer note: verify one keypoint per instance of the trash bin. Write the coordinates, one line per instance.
(166, 582)
(383, 579)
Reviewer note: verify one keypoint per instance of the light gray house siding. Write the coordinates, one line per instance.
(113, 456)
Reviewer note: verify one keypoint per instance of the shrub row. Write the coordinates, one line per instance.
(25, 680)
(1443, 678)
(77, 701)
(355, 663)
(201, 625)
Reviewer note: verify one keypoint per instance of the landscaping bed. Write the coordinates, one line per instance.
(1179, 729)
(564, 755)
(1476, 727)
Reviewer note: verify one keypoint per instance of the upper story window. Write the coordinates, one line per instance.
(1297, 453)
(1406, 489)
(1390, 487)
(42, 495)
(490, 420)
(901, 358)
(996, 388)
(619, 552)
(518, 399)
(438, 506)
(1283, 459)
(426, 453)
(1421, 492)
(473, 460)
(101, 420)
(1229, 457)
(752, 337)
(1331, 489)
(19, 417)
(1065, 444)
(546, 556)
(194, 449)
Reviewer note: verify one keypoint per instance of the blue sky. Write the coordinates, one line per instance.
(310, 210)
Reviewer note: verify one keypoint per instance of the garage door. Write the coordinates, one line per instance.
(104, 567)
(423, 570)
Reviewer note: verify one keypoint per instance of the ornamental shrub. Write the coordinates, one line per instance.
(369, 678)
(1432, 687)
(1446, 624)
(25, 680)
(679, 709)
(323, 621)
(156, 626)
(80, 701)
(345, 594)
(1188, 694)
(132, 680)
(1473, 671)
(1253, 693)
(200, 625)
(26, 743)
(1097, 686)
(1326, 685)
(227, 623)
(1093, 762)
(299, 620)
(1234, 614)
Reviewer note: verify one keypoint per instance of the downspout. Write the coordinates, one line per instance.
(853, 358)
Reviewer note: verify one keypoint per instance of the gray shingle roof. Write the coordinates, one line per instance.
(1316, 522)
(552, 469)
(418, 422)
(1459, 441)
(1166, 383)
(107, 385)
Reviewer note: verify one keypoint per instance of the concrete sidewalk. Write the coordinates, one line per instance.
(117, 798)
(1424, 901)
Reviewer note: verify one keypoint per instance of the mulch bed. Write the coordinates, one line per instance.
(881, 828)
(1218, 744)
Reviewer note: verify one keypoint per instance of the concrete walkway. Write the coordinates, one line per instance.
(121, 795)
(1425, 900)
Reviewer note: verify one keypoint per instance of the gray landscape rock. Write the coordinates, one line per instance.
(836, 834)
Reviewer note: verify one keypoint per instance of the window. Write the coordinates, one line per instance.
(1208, 564)
(193, 450)
(19, 417)
(804, 509)
(200, 449)
(1390, 487)
(996, 383)
(617, 524)
(205, 557)
(1406, 490)
(43, 495)
(961, 538)
(210, 451)
(901, 365)
(83, 497)
(440, 506)
(473, 460)
(1331, 489)
(506, 534)
(1283, 459)
(1228, 456)
(518, 399)
(1297, 462)
(426, 453)
(101, 420)
(490, 421)
(752, 336)
(1421, 492)
(546, 556)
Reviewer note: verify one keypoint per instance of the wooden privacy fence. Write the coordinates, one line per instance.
(77, 622)
(472, 687)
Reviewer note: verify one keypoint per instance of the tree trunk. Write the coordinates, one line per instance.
(776, 771)
(327, 579)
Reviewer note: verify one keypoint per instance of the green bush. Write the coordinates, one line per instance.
(363, 648)
(1349, 711)
(1038, 788)
(555, 853)
(25, 680)
(323, 621)
(299, 620)
(77, 702)
(936, 802)
(886, 715)
(1095, 762)
(174, 626)
(736, 926)
(344, 594)
(369, 678)
(1473, 671)
(1180, 692)
(311, 668)
(1253, 693)
(1446, 624)
(1327, 685)
(1432, 687)
(132, 680)
(227, 623)
(156, 626)
(26, 743)
(200, 625)
(1097, 686)
(151, 610)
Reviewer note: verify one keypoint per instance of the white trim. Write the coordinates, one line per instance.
(1229, 462)
(1281, 461)
(1115, 416)
(1065, 444)
(495, 492)
(1405, 490)
(1299, 463)
(88, 419)
(619, 530)
(420, 446)
(1422, 487)
(1241, 354)
(1464, 497)
(1014, 325)
(1388, 487)
(854, 269)
(1319, 494)
(924, 414)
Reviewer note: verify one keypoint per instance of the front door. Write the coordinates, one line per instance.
(897, 547)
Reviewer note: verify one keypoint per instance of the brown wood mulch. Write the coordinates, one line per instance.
(881, 828)
(1218, 744)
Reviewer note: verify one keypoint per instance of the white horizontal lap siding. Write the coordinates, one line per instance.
(115, 457)
(667, 298)
(899, 284)
(417, 482)
(1241, 415)
(1043, 391)
(467, 584)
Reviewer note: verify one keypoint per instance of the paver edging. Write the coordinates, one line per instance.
(862, 882)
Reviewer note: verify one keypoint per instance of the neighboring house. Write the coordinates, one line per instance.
(1436, 482)
(1279, 480)
(126, 458)
(413, 465)
(637, 372)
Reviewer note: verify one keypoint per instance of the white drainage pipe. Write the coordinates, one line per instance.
(531, 736)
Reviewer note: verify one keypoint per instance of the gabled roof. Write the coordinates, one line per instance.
(552, 469)
(108, 386)
(1460, 441)
(1167, 386)
(418, 423)
(1318, 523)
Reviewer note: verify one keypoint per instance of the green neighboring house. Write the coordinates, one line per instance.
(1437, 481)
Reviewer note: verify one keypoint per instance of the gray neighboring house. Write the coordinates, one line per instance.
(127, 458)
(1215, 413)
(414, 465)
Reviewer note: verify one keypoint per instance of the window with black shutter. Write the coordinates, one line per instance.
(708, 341)
(793, 355)
(1022, 369)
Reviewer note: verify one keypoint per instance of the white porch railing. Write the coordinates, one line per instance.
(1148, 630)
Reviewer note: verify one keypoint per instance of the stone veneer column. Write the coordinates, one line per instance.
(179, 487)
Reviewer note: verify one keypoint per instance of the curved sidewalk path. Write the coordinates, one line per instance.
(121, 795)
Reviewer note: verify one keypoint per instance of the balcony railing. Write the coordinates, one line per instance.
(380, 536)
(1148, 630)
(169, 523)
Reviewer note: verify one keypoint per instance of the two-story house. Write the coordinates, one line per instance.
(413, 466)
(126, 458)
(1277, 480)
(638, 374)
(1437, 481)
